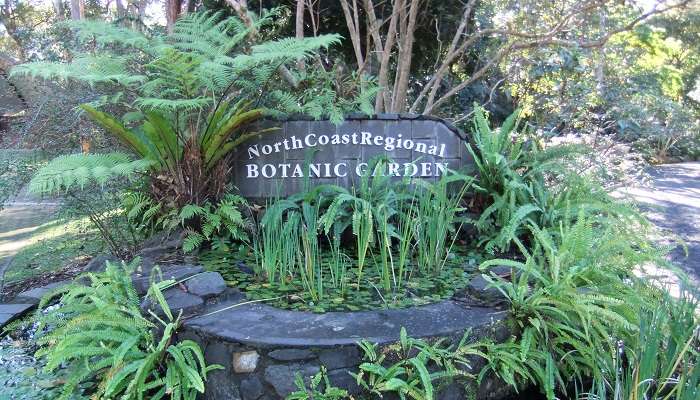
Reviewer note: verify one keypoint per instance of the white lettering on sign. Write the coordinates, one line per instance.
(330, 170)
(312, 140)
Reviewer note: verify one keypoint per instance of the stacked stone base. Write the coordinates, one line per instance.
(262, 348)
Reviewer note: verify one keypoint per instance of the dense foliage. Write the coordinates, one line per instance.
(586, 320)
(16, 169)
(98, 333)
(188, 100)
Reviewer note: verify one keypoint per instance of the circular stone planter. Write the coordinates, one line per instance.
(262, 348)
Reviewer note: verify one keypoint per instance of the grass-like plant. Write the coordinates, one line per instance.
(437, 207)
(397, 227)
(410, 377)
(662, 359)
(572, 294)
(98, 334)
(309, 254)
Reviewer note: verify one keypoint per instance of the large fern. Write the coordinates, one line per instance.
(191, 97)
(98, 334)
(77, 170)
(519, 184)
(572, 294)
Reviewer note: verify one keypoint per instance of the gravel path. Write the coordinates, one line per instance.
(672, 202)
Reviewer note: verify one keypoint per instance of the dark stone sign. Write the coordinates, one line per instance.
(278, 163)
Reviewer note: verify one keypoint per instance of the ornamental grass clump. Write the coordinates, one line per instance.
(436, 228)
(396, 231)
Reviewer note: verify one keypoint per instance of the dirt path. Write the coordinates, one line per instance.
(19, 221)
(672, 202)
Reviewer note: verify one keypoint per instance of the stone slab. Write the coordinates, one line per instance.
(35, 295)
(275, 163)
(10, 312)
(142, 280)
(178, 301)
(266, 326)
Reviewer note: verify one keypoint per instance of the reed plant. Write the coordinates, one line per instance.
(397, 227)
(338, 263)
(437, 207)
(309, 254)
(275, 249)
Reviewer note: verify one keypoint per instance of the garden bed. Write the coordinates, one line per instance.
(421, 289)
(262, 348)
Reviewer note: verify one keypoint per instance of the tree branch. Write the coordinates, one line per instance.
(536, 40)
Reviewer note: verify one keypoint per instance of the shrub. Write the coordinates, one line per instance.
(97, 332)
(574, 291)
(520, 184)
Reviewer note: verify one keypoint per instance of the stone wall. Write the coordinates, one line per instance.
(262, 348)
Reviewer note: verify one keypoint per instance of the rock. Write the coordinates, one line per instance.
(218, 353)
(251, 388)
(341, 378)
(342, 357)
(35, 295)
(479, 289)
(97, 263)
(291, 354)
(245, 362)
(10, 312)
(142, 281)
(220, 386)
(281, 377)
(452, 392)
(207, 284)
(172, 240)
(177, 300)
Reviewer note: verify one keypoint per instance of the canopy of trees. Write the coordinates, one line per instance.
(602, 66)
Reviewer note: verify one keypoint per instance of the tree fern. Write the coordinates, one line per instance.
(77, 170)
(190, 96)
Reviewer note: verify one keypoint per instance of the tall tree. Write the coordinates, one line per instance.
(482, 36)
(121, 10)
(58, 8)
(173, 8)
(77, 9)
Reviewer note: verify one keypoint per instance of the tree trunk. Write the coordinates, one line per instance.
(191, 6)
(299, 27)
(172, 11)
(121, 10)
(600, 62)
(383, 50)
(404, 59)
(77, 10)
(58, 9)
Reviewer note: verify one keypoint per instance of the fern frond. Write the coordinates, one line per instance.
(66, 172)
